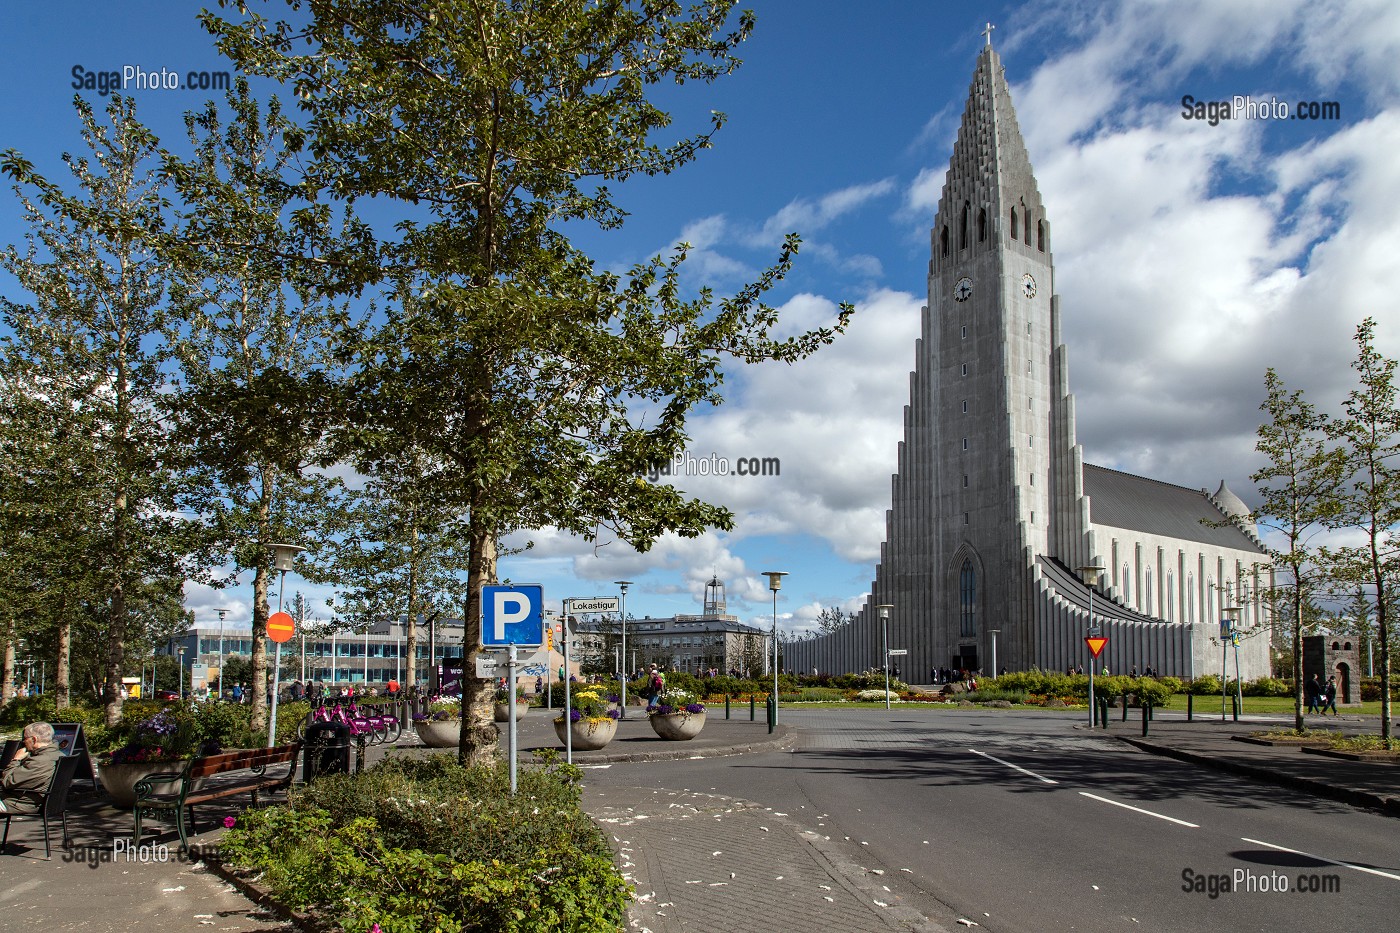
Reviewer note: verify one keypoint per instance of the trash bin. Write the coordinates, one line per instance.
(327, 750)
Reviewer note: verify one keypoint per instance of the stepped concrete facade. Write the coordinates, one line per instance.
(993, 510)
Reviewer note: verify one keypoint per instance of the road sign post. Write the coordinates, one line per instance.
(512, 617)
(280, 627)
(1095, 641)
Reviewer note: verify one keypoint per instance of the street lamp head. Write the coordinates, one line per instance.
(283, 555)
(624, 584)
(884, 610)
(1090, 573)
(1230, 611)
(775, 579)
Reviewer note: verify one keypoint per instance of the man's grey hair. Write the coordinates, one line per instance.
(41, 732)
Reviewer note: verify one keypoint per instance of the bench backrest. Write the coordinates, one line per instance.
(242, 759)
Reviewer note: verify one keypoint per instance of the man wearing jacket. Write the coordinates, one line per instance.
(26, 778)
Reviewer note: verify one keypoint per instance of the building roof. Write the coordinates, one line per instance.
(673, 625)
(1122, 500)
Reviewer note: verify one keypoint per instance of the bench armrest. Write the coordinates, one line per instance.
(143, 786)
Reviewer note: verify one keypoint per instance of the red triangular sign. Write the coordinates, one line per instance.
(1096, 644)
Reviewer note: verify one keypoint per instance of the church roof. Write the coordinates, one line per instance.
(1137, 503)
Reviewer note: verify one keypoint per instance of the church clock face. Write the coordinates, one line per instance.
(963, 290)
(1028, 285)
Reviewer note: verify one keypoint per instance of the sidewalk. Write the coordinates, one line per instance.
(1214, 744)
(770, 870)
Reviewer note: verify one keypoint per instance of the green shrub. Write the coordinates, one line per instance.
(1371, 689)
(819, 694)
(425, 844)
(1151, 692)
(1204, 686)
(1268, 687)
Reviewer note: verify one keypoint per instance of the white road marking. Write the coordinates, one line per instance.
(1169, 819)
(1323, 858)
(593, 767)
(1012, 767)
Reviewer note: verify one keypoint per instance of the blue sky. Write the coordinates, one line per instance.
(1188, 257)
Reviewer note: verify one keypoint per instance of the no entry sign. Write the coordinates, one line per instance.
(280, 627)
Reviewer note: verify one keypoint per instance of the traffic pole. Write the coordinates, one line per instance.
(510, 705)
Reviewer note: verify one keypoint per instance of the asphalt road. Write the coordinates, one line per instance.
(1028, 822)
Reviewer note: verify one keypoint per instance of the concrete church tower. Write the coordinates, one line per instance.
(990, 515)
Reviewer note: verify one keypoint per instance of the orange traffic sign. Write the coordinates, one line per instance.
(1096, 643)
(280, 627)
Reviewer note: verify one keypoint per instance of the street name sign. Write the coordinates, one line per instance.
(596, 604)
(894, 651)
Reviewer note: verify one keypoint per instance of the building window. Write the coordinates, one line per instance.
(962, 227)
(964, 443)
(967, 590)
(964, 371)
(964, 406)
(967, 518)
(943, 240)
(1147, 589)
(1127, 586)
(964, 480)
(964, 332)
(1028, 367)
(1030, 440)
(1014, 228)
(1040, 235)
(1032, 517)
(982, 225)
(1032, 479)
(1029, 403)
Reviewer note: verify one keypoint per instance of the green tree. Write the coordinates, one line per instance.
(96, 328)
(1367, 440)
(1296, 487)
(259, 381)
(547, 388)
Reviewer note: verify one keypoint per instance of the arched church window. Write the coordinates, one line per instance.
(982, 225)
(967, 590)
(1147, 589)
(1040, 235)
(943, 240)
(962, 226)
(1014, 228)
(1028, 224)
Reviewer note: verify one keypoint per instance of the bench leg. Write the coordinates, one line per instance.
(136, 833)
(180, 825)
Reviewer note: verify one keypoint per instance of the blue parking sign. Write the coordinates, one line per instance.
(512, 615)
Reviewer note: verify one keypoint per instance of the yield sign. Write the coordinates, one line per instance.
(1096, 643)
(280, 627)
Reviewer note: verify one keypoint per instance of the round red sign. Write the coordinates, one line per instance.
(280, 627)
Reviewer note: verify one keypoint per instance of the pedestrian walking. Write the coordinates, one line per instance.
(1314, 691)
(1330, 697)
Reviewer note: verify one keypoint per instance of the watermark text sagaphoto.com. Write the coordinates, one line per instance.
(137, 78)
(1244, 107)
(1247, 881)
(687, 464)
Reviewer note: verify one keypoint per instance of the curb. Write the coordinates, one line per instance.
(308, 923)
(1390, 806)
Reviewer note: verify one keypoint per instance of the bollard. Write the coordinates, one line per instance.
(752, 717)
(1146, 715)
(1190, 698)
(772, 706)
(726, 706)
(1235, 708)
(1103, 708)
(1125, 706)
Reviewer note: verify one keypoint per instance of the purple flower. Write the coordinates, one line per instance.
(614, 714)
(229, 821)
(695, 708)
(575, 715)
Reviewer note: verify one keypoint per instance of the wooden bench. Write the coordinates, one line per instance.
(255, 761)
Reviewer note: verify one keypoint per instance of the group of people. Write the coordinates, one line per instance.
(1322, 698)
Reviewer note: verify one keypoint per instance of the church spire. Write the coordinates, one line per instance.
(990, 197)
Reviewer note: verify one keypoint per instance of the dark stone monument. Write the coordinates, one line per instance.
(1334, 656)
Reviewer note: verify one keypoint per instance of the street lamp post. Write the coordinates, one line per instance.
(283, 556)
(884, 610)
(181, 686)
(222, 613)
(1090, 573)
(995, 632)
(775, 583)
(1227, 631)
(622, 621)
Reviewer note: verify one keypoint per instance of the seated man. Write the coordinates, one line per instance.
(26, 779)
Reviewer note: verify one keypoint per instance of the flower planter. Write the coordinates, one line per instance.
(678, 727)
(503, 713)
(588, 736)
(120, 779)
(439, 733)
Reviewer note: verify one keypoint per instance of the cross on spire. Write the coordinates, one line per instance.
(988, 33)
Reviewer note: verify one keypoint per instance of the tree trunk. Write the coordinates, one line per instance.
(61, 693)
(7, 686)
(260, 607)
(116, 615)
(479, 732)
(1298, 723)
(1385, 670)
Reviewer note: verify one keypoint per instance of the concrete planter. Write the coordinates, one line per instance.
(502, 712)
(678, 727)
(120, 780)
(439, 733)
(588, 736)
